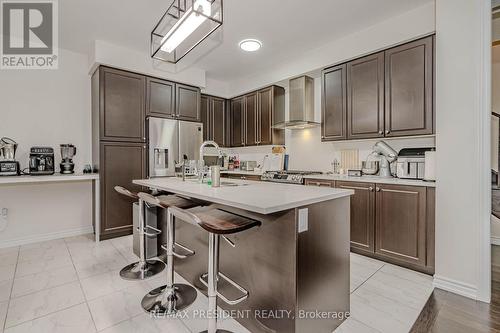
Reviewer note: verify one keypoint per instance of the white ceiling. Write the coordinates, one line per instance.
(287, 29)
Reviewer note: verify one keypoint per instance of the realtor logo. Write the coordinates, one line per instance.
(29, 34)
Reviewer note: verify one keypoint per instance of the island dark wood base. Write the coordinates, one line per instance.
(297, 281)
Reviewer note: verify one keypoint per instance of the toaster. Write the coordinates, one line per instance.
(248, 165)
(411, 163)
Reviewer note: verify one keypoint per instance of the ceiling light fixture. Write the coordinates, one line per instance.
(184, 25)
(250, 45)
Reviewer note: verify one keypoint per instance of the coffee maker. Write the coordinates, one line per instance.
(41, 161)
(67, 153)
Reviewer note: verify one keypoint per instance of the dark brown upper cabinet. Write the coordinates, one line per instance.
(218, 106)
(270, 111)
(265, 116)
(250, 125)
(205, 117)
(401, 223)
(386, 94)
(187, 102)
(409, 88)
(362, 215)
(121, 105)
(365, 97)
(120, 163)
(160, 100)
(260, 110)
(213, 117)
(237, 121)
(334, 103)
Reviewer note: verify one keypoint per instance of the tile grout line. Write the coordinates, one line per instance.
(48, 314)
(366, 279)
(45, 315)
(180, 320)
(11, 287)
(80, 284)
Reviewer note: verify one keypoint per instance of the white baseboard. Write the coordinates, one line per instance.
(456, 287)
(47, 236)
(495, 240)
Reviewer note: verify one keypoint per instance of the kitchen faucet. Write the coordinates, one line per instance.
(201, 165)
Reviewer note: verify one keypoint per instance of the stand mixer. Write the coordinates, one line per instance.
(387, 156)
(67, 153)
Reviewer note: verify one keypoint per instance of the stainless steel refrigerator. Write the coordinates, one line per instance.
(170, 142)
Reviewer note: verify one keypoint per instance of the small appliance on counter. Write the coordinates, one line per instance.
(41, 161)
(430, 166)
(248, 165)
(8, 164)
(387, 157)
(67, 153)
(411, 163)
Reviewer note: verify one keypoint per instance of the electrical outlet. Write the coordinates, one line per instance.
(4, 213)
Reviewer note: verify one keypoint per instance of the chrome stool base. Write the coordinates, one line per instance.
(185, 295)
(138, 271)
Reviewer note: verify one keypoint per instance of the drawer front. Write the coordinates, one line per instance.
(320, 182)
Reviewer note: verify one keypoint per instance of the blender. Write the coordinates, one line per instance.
(67, 153)
(8, 164)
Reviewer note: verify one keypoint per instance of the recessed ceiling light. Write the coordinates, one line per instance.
(250, 45)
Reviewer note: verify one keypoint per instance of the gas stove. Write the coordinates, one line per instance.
(290, 176)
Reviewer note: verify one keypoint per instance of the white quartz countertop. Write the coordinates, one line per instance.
(26, 179)
(374, 179)
(254, 196)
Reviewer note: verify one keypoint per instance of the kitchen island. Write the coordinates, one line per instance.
(295, 265)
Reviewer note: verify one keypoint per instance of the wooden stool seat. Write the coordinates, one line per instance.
(166, 201)
(220, 222)
(125, 192)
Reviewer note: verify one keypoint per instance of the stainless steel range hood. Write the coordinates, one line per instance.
(301, 106)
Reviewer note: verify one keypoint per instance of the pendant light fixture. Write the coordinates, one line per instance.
(184, 25)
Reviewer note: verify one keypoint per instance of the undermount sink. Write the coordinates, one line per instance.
(222, 183)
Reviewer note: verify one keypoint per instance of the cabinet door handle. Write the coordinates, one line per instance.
(370, 189)
(387, 132)
(380, 132)
(377, 189)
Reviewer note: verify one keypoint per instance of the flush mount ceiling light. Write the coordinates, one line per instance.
(184, 25)
(250, 45)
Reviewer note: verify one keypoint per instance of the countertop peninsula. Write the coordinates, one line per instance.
(254, 196)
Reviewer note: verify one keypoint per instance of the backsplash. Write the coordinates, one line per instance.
(307, 152)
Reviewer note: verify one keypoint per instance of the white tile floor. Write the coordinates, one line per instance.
(72, 285)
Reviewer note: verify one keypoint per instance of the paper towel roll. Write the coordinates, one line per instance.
(430, 166)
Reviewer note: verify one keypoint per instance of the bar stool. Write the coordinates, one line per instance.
(170, 298)
(144, 268)
(218, 223)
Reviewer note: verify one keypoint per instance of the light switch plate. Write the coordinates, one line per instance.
(303, 220)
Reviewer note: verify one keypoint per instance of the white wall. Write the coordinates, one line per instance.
(409, 25)
(46, 108)
(106, 53)
(463, 141)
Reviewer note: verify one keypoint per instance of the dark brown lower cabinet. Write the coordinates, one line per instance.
(401, 223)
(120, 163)
(393, 223)
(362, 215)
